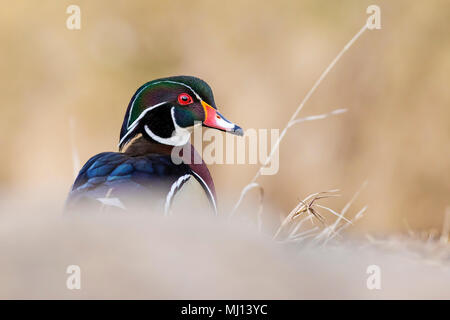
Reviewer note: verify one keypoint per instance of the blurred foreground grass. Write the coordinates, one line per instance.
(203, 258)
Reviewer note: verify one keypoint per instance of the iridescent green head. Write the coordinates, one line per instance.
(165, 110)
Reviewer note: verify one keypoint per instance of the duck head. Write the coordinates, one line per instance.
(165, 110)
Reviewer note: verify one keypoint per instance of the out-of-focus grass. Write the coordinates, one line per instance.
(197, 257)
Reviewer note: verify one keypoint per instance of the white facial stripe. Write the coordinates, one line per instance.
(180, 138)
(126, 135)
(145, 87)
(145, 112)
(136, 122)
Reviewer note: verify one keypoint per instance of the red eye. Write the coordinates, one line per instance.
(184, 99)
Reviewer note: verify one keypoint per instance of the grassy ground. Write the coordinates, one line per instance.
(209, 258)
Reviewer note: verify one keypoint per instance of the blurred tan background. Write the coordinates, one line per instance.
(260, 59)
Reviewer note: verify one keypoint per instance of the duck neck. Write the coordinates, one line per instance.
(141, 146)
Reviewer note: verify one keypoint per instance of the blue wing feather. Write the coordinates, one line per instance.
(123, 175)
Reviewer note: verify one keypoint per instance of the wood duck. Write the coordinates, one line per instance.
(143, 174)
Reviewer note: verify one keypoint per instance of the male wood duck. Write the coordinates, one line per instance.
(143, 174)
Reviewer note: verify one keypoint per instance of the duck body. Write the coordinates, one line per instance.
(148, 176)
(144, 178)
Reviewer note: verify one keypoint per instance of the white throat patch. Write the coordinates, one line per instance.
(179, 137)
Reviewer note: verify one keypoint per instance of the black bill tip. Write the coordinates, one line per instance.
(237, 131)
